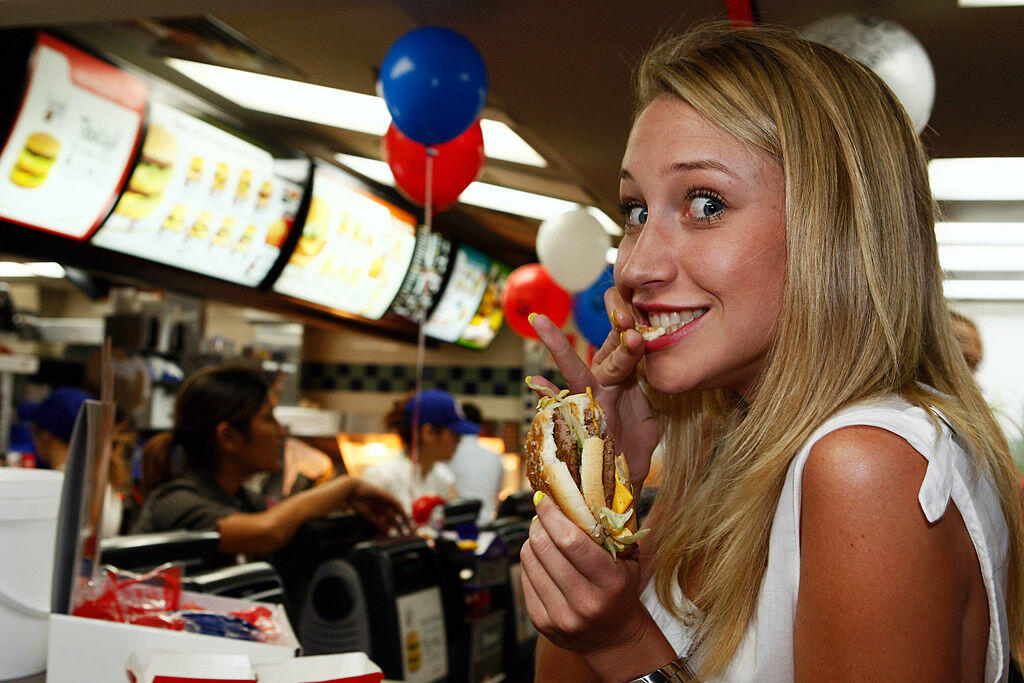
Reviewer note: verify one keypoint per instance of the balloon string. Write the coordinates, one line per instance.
(421, 341)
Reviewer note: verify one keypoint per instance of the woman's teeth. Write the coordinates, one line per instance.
(666, 323)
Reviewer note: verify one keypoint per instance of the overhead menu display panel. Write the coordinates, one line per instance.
(68, 152)
(486, 322)
(461, 297)
(354, 251)
(202, 199)
(423, 282)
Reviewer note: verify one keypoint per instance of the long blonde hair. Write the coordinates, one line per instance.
(863, 311)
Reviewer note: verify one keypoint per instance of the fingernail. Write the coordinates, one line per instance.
(534, 519)
(538, 497)
(622, 338)
(530, 318)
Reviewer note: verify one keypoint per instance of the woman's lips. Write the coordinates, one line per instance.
(666, 328)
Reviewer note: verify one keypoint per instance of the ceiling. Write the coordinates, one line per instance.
(559, 72)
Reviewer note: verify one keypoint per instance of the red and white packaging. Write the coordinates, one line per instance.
(350, 667)
(178, 667)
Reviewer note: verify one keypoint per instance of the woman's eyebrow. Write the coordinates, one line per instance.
(696, 165)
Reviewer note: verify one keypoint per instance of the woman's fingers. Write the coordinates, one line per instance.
(547, 599)
(575, 371)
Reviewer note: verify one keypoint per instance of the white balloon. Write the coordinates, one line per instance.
(572, 248)
(890, 51)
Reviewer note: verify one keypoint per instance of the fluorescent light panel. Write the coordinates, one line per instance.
(980, 233)
(977, 179)
(32, 269)
(1006, 258)
(990, 3)
(984, 290)
(488, 196)
(333, 107)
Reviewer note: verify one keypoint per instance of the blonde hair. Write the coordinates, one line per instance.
(863, 311)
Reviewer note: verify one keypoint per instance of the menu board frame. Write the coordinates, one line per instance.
(452, 280)
(94, 77)
(188, 188)
(497, 276)
(351, 183)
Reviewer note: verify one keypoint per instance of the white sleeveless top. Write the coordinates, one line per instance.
(766, 652)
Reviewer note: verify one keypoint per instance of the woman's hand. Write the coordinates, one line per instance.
(585, 601)
(379, 506)
(612, 379)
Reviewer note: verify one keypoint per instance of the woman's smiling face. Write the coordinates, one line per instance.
(704, 251)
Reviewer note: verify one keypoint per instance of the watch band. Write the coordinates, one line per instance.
(673, 672)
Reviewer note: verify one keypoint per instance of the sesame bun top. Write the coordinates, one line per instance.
(43, 144)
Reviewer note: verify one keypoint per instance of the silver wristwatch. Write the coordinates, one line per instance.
(673, 672)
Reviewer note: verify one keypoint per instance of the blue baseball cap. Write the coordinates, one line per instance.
(57, 412)
(439, 408)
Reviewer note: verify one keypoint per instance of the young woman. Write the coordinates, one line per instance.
(836, 502)
(224, 423)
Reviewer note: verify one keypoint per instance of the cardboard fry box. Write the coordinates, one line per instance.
(175, 667)
(96, 651)
(350, 667)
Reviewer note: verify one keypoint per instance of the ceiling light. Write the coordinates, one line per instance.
(489, 196)
(984, 290)
(333, 107)
(501, 142)
(975, 258)
(977, 179)
(990, 3)
(980, 233)
(294, 99)
(32, 269)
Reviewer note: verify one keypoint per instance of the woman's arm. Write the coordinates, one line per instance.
(552, 663)
(883, 593)
(261, 533)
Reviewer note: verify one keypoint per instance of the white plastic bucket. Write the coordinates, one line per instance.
(29, 500)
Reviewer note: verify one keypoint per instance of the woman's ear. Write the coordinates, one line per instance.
(229, 439)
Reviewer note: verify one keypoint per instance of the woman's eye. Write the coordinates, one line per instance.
(704, 208)
(636, 215)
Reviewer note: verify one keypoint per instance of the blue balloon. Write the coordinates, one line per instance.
(434, 83)
(588, 309)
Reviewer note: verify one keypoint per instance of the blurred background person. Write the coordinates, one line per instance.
(225, 432)
(478, 470)
(53, 421)
(969, 338)
(441, 423)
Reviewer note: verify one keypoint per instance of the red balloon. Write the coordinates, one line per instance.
(529, 289)
(457, 163)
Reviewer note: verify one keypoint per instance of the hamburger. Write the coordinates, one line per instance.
(36, 159)
(314, 233)
(151, 175)
(571, 457)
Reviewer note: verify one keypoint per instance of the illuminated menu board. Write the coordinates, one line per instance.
(489, 316)
(68, 152)
(461, 297)
(354, 251)
(202, 199)
(423, 282)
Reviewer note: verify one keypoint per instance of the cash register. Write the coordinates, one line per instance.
(401, 583)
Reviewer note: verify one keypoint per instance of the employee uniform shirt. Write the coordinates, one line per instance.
(766, 652)
(399, 477)
(478, 474)
(194, 502)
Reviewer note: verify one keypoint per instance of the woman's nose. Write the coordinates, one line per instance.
(649, 260)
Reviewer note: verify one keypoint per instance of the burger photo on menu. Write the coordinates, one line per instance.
(571, 457)
(151, 175)
(36, 159)
(314, 233)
